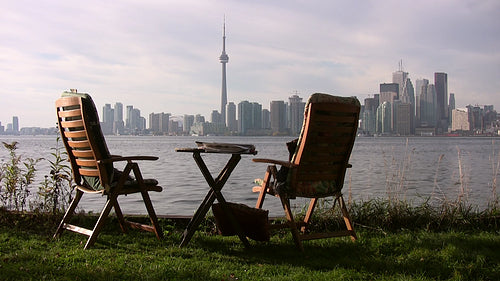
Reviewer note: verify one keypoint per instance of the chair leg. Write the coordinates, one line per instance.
(152, 215)
(147, 201)
(347, 218)
(291, 222)
(100, 222)
(263, 190)
(271, 173)
(69, 213)
(310, 211)
(119, 215)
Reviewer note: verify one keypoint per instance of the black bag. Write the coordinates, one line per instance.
(253, 222)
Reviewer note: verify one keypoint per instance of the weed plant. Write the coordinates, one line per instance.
(17, 177)
(55, 191)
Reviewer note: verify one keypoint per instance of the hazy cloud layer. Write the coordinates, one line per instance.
(162, 56)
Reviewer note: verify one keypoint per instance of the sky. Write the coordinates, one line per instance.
(163, 56)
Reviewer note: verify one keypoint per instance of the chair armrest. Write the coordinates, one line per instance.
(127, 158)
(272, 161)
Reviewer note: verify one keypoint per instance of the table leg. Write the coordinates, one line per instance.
(197, 218)
(215, 188)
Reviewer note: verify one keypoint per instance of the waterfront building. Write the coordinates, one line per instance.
(296, 118)
(369, 122)
(154, 123)
(428, 105)
(278, 118)
(403, 118)
(134, 122)
(451, 104)
(475, 118)
(459, 120)
(266, 119)
(187, 122)
(389, 92)
(405, 89)
(15, 124)
(406, 93)
(244, 117)
(420, 87)
(249, 118)
(174, 126)
(369, 116)
(231, 120)
(159, 123)
(118, 124)
(489, 118)
(256, 116)
(441, 84)
(199, 118)
(108, 118)
(216, 117)
(384, 118)
(128, 116)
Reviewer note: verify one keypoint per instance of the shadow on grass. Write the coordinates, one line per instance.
(429, 255)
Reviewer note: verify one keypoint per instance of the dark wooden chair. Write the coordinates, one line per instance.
(93, 171)
(317, 167)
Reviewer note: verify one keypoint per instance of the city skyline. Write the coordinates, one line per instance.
(385, 87)
(165, 57)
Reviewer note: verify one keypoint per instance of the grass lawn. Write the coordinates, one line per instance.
(27, 252)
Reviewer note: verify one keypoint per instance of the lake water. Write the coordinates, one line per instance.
(414, 169)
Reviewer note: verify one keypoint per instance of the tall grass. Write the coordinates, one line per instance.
(495, 168)
(16, 176)
(397, 171)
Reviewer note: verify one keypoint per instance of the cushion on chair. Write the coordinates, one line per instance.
(253, 222)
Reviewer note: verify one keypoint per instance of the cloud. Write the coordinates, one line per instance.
(162, 56)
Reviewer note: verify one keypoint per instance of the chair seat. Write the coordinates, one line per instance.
(129, 187)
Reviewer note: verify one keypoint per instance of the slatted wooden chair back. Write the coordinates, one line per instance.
(82, 136)
(324, 146)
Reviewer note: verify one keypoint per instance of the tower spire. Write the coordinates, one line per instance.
(224, 58)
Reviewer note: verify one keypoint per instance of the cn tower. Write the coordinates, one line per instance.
(224, 58)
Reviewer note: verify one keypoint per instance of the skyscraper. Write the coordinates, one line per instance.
(244, 117)
(389, 92)
(428, 105)
(118, 119)
(296, 114)
(15, 124)
(278, 116)
(441, 84)
(451, 106)
(108, 118)
(232, 124)
(224, 58)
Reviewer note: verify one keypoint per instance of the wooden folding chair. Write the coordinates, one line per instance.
(92, 168)
(317, 168)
